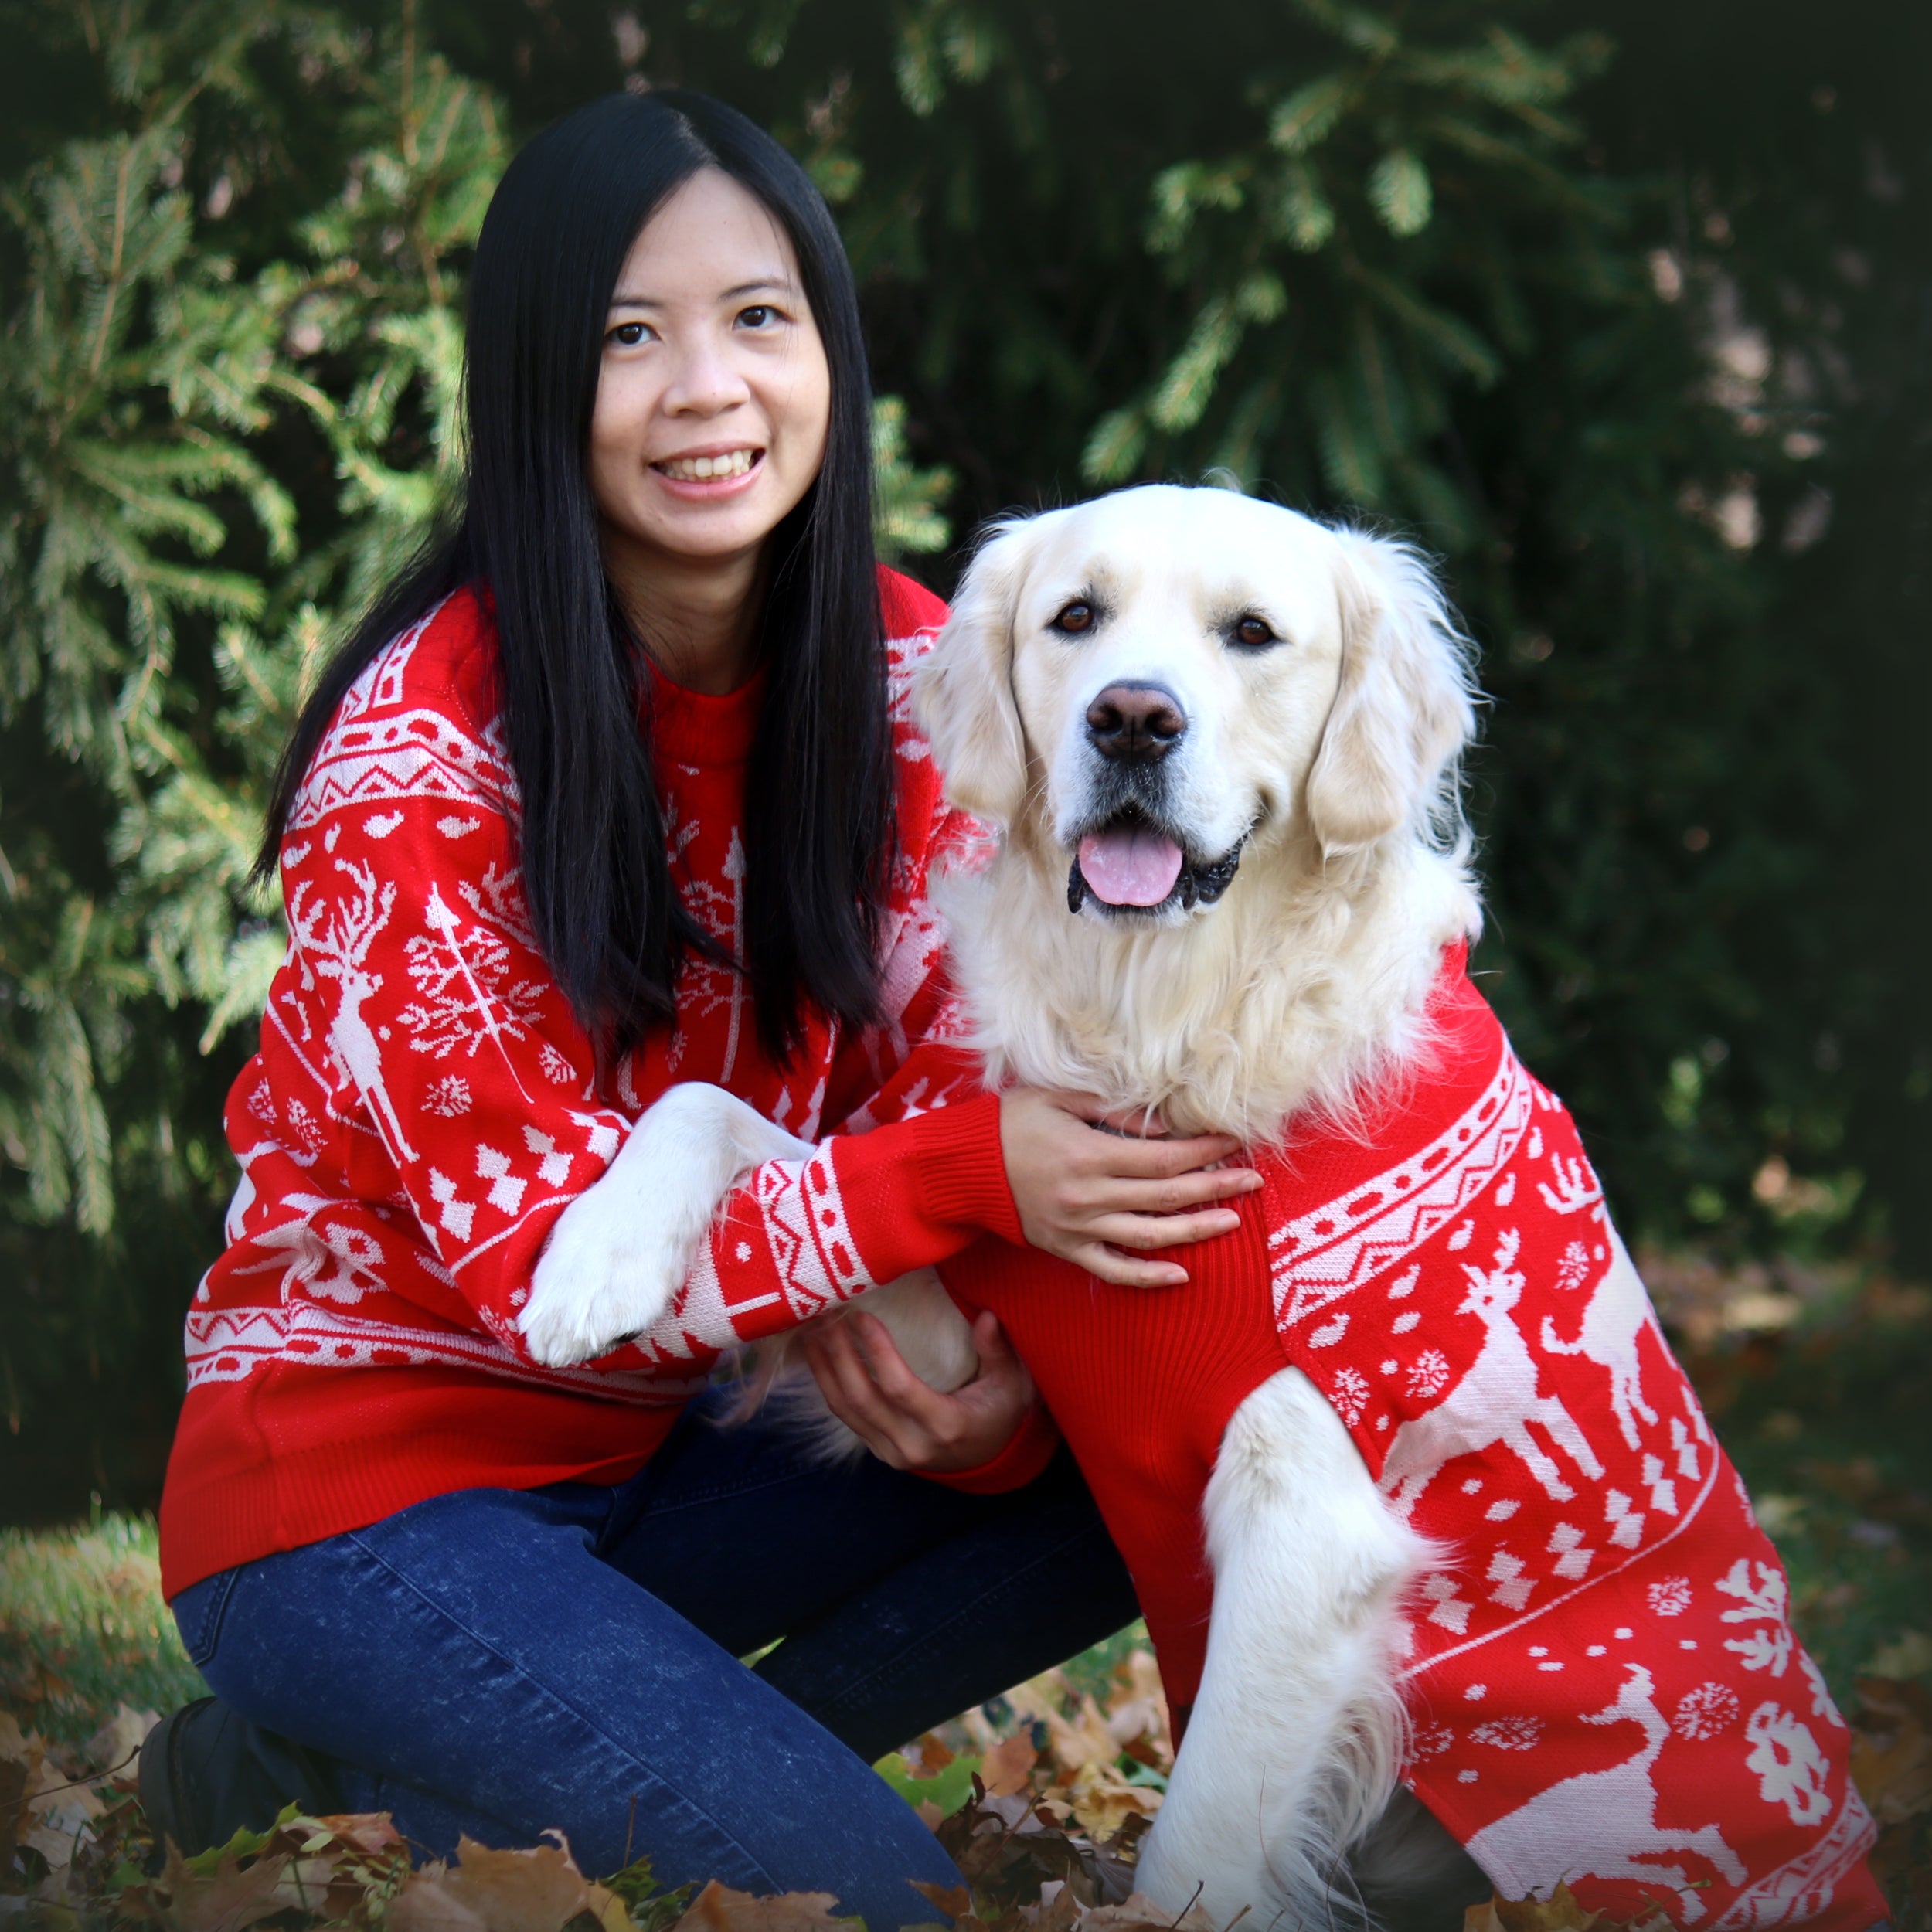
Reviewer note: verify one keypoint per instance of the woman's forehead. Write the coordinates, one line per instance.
(710, 239)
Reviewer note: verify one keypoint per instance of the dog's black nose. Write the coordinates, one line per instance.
(1135, 724)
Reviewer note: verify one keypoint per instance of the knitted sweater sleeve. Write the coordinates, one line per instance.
(460, 1090)
(912, 1171)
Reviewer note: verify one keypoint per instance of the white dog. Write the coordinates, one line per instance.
(1218, 743)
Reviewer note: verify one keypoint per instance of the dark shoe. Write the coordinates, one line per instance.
(207, 1773)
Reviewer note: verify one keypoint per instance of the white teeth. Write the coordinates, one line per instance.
(698, 469)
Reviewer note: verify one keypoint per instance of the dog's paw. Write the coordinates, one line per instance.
(621, 1250)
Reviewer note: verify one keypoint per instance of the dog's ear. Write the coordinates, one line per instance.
(1405, 706)
(963, 693)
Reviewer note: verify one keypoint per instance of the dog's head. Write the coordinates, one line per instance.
(1160, 679)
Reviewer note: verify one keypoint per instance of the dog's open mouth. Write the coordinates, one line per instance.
(1131, 865)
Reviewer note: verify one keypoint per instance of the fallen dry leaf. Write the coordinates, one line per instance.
(59, 1816)
(114, 1750)
(719, 1908)
(20, 1757)
(1009, 1768)
(537, 1890)
(1102, 1801)
(1138, 1913)
(231, 1896)
(926, 1757)
(1891, 1748)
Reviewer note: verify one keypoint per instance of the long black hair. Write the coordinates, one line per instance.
(819, 800)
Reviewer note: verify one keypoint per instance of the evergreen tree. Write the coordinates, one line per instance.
(1441, 266)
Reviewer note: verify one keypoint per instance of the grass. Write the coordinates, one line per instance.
(83, 1627)
(1819, 1383)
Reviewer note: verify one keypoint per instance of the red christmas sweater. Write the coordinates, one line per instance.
(1602, 1680)
(423, 1106)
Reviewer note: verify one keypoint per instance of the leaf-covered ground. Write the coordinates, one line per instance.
(1821, 1384)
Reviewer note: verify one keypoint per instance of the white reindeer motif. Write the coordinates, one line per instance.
(339, 950)
(1617, 1315)
(1495, 1401)
(1603, 1823)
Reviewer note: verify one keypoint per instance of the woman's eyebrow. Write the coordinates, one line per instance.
(780, 285)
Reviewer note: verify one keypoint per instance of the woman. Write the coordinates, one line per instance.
(608, 794)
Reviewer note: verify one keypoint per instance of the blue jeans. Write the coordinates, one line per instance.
(500, 1661)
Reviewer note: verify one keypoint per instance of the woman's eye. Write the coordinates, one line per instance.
(1074, 618)
(759, 315)
(628, 334)
(1254, 632)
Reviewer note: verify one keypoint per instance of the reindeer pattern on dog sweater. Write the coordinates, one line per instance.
(1602, 1682)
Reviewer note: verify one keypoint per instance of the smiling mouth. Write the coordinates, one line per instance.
(709, 469)
(1130, 865)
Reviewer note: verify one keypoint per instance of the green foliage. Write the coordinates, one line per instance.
(1429, 265)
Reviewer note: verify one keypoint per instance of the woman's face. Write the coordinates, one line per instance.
(714, 396)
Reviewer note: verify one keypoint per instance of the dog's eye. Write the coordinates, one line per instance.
(1254, 632)
(1074, 617)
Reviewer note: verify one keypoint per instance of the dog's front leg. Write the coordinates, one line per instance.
(622, 1249)
(1292, 1750)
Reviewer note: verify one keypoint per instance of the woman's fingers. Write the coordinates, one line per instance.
(1147, 1231)
(1124, 1271)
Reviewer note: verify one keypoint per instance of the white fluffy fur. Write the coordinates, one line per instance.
(622, 1249)
(1293, 1748)
(1334, 753)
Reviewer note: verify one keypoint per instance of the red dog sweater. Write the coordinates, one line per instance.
(1602, 1684)
(423, 1106)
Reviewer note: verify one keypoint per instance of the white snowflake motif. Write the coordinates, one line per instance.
(1433, 1741)
(1428, 1373)
(556, 1069)
(1760, 1602)
(1670, 1596)
(449, 1097)
(1350, 1395)
(1823, 1705)
(1510, 1733)
(1707, 1711)
(464, 976)
(261, 1104)
(1573, 1270)
(1791, 1769)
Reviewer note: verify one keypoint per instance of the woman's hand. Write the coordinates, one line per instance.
(1084, 1194)
(903, 1421)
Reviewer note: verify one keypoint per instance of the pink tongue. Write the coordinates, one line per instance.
(1136, 867)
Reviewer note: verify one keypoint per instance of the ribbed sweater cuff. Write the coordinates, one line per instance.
(1028, 1451)
(962, 1170)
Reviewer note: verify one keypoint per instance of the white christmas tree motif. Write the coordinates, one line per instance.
(464, 976)
(1706, 1712)
(1510, 1733)
(1573, 1270)
(448, 1098)
(305, 1126)
(497, 900)
(1428, 1373)
(331, 941)
(1670, 1596)
(1791, 1769)
(1760, 1602)
(556, 1068)
(1450, 1609)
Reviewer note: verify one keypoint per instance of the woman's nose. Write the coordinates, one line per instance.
(707, 381)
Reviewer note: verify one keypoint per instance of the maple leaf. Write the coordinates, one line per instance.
(228, 1897)
(19, 1772)
(539, 1890)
